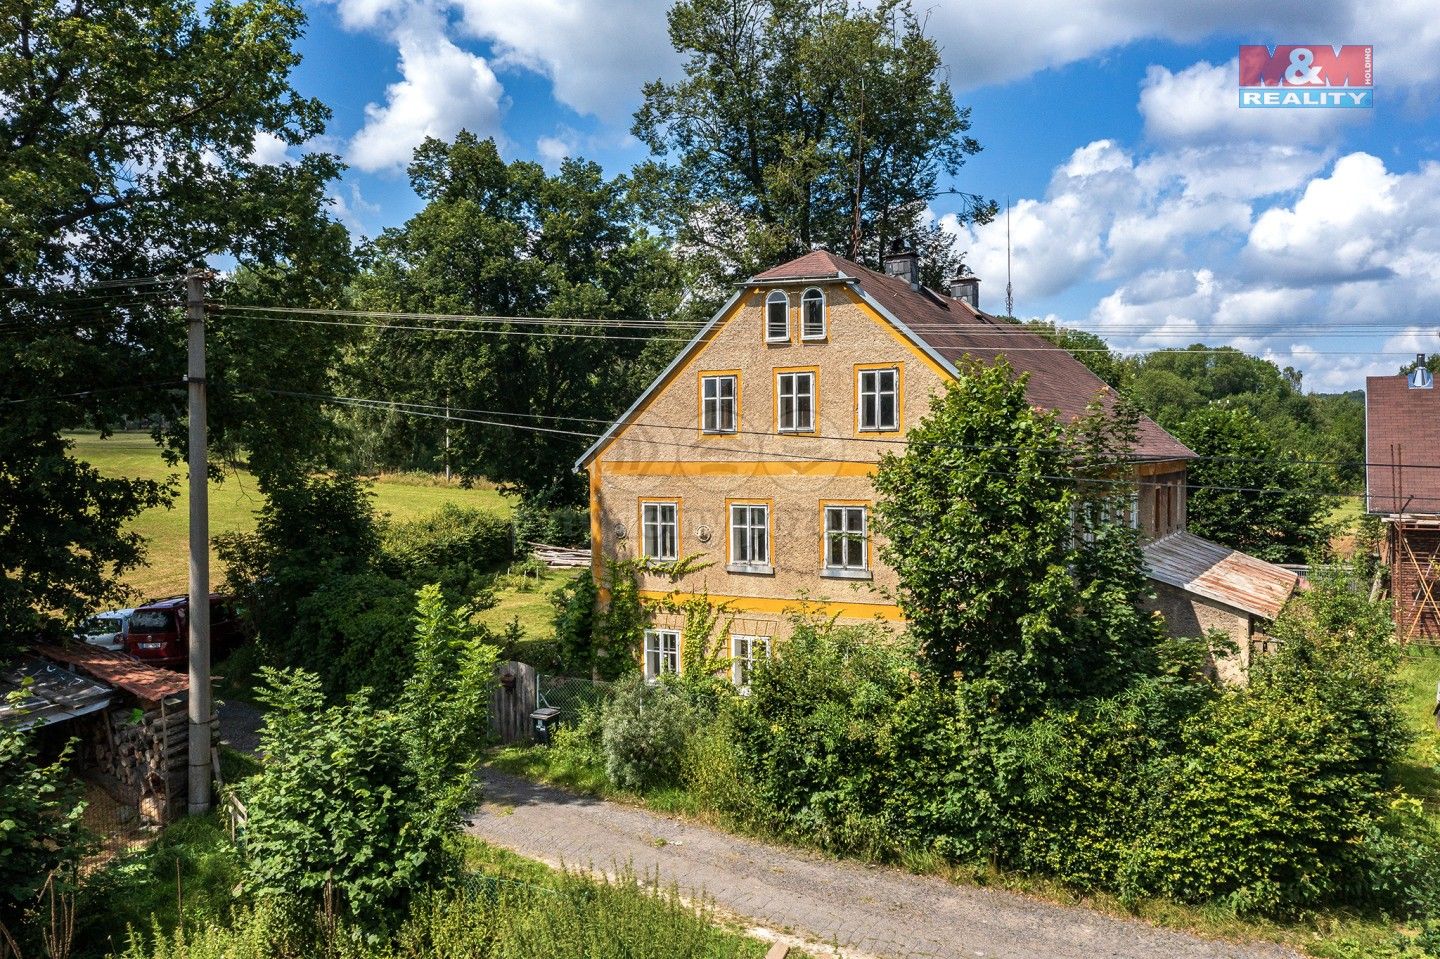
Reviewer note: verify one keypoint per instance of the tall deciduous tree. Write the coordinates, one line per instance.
(508, 240)
(125, 152)
(800, 122)
(1017, 573)
(1246, 492)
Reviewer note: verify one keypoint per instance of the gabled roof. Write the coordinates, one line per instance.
(1402, 447)
(1216, 572)
(947, 330)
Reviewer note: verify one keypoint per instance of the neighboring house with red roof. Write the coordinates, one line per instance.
(755, 448)
(1402, 487)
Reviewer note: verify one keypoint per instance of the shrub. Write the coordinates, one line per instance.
(536, 522)
(1263, 807)
(40, 812)
(809, 737)
(645, 727)
(575, 615)
(1401, 864)
(353, 631)
(360, 799)
(455, 546)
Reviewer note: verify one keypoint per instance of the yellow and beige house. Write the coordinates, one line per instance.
(754, 451)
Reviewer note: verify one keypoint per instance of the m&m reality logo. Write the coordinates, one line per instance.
(1310, 75)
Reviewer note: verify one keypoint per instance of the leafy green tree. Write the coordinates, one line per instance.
(1245, 490)
(125, 154)
(1016, 575)
(799, 123)
(1086, 347)
(40, 829)
(506, 239)
(360, 800)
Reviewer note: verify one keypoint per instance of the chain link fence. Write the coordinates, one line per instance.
(571, 695)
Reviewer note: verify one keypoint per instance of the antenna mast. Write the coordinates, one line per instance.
(1009, 290)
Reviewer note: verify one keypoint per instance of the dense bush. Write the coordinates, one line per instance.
(536, 522)
(645, 729)
(360, 800)
(810, 736)
(39, 821)
(455, 546)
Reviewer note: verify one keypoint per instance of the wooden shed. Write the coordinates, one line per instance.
(135, 742)
(1202, 586)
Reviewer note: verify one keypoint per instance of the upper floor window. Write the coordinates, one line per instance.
(812, 315)
(795, 402)
(777, 317)
(745, 652)
(880, 399)
(846, 538)
(662, 652)
(660, 530)
(749, 535)
(718, 405)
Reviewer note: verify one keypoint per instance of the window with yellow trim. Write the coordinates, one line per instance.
(717, 404)
(812, 314)
(880, 400)
(660, 530)
(846, 538)
(795, 402)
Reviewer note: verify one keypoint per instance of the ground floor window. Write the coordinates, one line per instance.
(745, 652)
(662, 652)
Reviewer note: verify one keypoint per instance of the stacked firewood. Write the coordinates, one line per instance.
(144, 755)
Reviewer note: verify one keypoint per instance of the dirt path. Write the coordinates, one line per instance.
(866, 911)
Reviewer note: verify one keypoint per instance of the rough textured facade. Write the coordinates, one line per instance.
(660, 455)
(1189, 614)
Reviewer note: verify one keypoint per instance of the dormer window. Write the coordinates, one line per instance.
(777, 317)
(812, 315)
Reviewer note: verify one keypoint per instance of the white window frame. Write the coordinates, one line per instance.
(717, 403)
(791, 404)
(743, 656)
(654, 546)
(775, 298)
(845, 512)
(805, 299)
(876, 394)
(662, 653)
(748, 534)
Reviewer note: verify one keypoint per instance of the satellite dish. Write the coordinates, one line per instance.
(1420, 379)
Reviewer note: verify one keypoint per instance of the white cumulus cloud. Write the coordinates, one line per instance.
(444, 89)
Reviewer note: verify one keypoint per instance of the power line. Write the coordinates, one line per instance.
(95, 392)
(423, 413)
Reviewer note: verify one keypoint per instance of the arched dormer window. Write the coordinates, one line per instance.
(777, 317)
(812, 314)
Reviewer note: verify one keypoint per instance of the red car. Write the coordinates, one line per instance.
(160, 631)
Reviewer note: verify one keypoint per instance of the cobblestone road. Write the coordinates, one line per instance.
(866, 911)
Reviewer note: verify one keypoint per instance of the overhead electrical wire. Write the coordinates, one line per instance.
(806, 457)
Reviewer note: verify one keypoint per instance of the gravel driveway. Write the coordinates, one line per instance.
(865, 910)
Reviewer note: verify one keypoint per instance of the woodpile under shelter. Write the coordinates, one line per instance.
(128, 721)
(1402, 488)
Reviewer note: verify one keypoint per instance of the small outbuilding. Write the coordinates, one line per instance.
(128, 719)
(1202, 586)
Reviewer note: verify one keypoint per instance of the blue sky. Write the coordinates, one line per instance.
(1146, 205)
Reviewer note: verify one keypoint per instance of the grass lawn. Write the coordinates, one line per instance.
(528, 602)
(233, 503)
(1418, 772)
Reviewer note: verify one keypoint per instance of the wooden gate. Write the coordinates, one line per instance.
(512, 702)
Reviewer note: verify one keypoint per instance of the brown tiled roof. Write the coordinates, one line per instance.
(1228, 576)
(142, 680)
(1402, 447)
(954, 330)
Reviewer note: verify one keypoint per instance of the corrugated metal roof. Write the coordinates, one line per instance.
(149, 683)
(51, 694)
(1216, 572)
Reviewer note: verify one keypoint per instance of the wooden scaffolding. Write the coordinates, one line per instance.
(1413, 551)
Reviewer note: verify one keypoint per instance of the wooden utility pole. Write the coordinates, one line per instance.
(199, 553)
